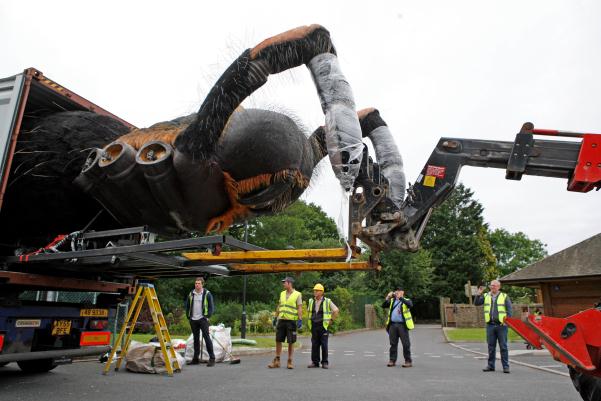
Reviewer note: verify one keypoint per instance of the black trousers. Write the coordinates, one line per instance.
(319, 340)
(396, 331)
(197, 326)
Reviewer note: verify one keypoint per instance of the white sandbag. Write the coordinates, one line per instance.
(222, 344)
(148, 358)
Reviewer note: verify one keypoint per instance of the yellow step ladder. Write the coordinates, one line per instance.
(145, 292)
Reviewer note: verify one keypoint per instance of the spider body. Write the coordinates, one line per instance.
(209, 170)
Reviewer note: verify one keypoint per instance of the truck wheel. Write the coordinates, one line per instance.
(588, 386)
(37, 365)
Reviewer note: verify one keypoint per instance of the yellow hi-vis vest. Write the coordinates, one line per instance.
(406, 315)
(288, 309)
(326, 306)
(205, 303)
(500, 306)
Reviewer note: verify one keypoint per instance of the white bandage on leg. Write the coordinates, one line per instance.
(390, 161)
(342, 129)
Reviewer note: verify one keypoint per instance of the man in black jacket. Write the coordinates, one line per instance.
(398, 324)
(199, 308)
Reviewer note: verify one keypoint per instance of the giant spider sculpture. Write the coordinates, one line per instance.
(225, 164)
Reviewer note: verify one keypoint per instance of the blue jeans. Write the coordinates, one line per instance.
(494, 333)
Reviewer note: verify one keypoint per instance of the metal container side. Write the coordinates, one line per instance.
(30, 90)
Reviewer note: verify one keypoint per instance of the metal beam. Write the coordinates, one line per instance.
(301, 267)
(231, 241)
(52, 282)
(188, 243)
(253, 256)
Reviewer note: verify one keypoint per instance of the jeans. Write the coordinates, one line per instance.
(319, 339)
(197, 326)
(494, 333)
(396, 331)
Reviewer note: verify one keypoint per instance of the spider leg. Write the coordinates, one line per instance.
(387, 153)
(265, 191)
(267, 196)
(309, 45)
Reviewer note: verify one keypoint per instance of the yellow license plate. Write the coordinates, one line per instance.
(94, 312)
(61, 327)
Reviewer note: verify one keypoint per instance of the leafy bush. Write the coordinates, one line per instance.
(227, 313)
(235, 328)
(342, 298)
(263, 321)
(381, 315)
(180, 327)
(343, 322)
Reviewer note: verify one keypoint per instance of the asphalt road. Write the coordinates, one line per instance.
(357, 372)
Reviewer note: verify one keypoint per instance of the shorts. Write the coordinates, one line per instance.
(286, 331)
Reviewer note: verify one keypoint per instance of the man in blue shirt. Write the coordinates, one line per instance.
(398, 325)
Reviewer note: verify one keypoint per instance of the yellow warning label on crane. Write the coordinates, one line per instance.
(429, 181)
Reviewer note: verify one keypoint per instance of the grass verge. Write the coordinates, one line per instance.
(476, 335)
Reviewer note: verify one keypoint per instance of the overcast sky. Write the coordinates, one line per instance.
(471, 69)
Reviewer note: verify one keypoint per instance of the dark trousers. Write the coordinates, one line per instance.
(494, 333)
(396, 331)
(197, 326)
(319, 339)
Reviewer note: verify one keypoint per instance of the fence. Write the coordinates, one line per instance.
(465, 315)
(60, 296)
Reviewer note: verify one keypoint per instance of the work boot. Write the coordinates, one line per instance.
(194, 361)
(275, 363)
(211, 362)
(313, 365)
(391, 364)
(324, 365)
(290, 365)
(407, 365)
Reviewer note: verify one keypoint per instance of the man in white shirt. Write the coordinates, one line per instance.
(199, 308)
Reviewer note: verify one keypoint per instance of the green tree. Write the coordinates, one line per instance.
(298, 226)
(514, 252)
(413, 271)
(459, 250)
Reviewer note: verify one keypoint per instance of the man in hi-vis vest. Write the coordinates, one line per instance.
(289, 314)
(497, 306)
(322, 312)
(199, 308)
(398, 325)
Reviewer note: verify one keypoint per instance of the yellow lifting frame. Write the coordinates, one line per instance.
(299, 267)
(256, 256)
(284, 260)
